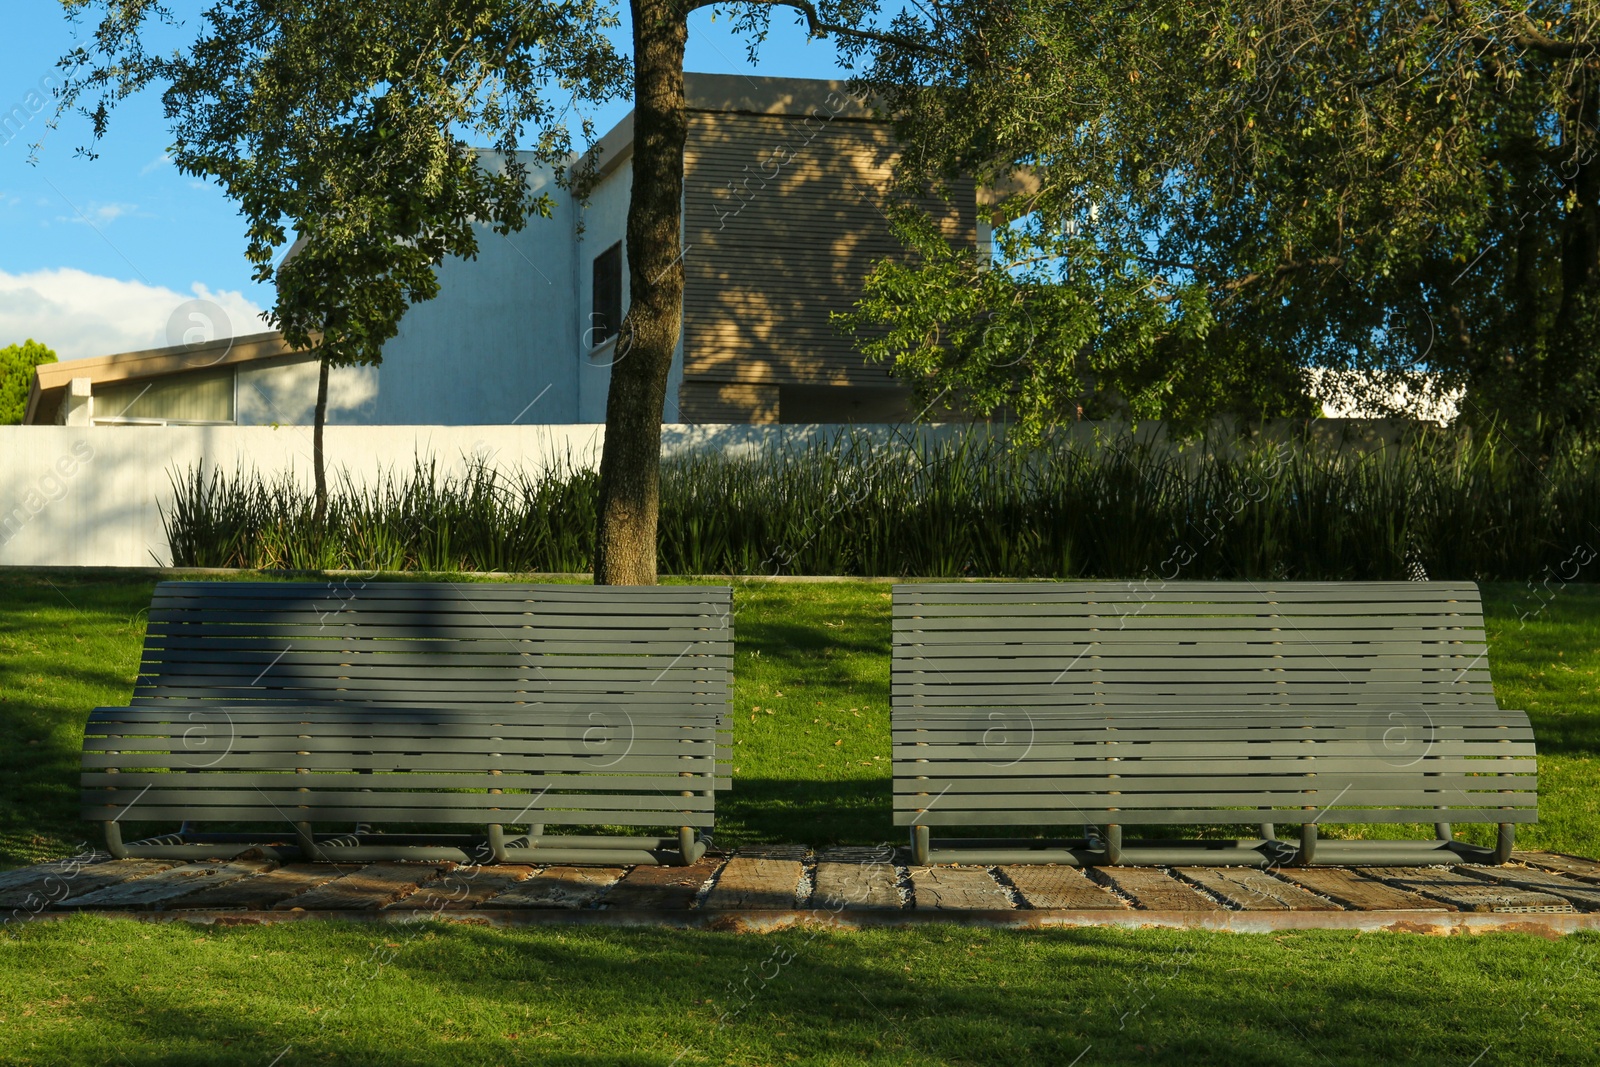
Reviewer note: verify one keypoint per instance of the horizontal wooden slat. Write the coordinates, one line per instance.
(132, 781)
(380, 801)
(1201, 816)
(507, 692)
(1220, 748)
(245, 592)
(415, 657)
(630, 763)
(1219, 646)
(344, 816)
(1340, 798)
(912, 593)
(1270, 779)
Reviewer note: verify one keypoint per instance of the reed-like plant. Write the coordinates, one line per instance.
(1440, 505)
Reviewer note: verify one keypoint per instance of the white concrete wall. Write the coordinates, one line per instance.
(93, 496)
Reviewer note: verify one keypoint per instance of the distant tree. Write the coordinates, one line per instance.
(16, 378)
(1197, 203)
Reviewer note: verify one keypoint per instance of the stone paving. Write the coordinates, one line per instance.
(762, 888)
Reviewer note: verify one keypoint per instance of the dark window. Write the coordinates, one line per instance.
(605, 317)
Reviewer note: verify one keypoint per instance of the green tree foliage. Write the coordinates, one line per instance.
(1193, 203)
(16, 377)
(345, 127)
(350, 129)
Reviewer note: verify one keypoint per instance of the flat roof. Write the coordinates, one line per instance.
(50, 380)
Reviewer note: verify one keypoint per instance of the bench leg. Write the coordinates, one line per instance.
(308, 842)
(1503, 844)
(497, 843)
(1268, 831)
(689, 849)
(1113, 844)
(1308, 845)
(1444, 831)
(919, 845)
(114, 843)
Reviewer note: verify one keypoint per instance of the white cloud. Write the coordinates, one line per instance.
(160, 161)
(80, 314)
(99, 214)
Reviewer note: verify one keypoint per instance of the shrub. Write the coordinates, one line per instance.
(1440, 506)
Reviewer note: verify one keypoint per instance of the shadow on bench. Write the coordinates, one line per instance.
(277, 713)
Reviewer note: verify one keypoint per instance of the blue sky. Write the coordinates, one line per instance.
(105, 255)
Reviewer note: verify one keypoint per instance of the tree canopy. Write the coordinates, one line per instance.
(16, 378)
(344, 128)
(1194, 204)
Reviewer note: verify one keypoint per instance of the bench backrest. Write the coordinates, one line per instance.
(1190, 644)
(1201, 702)
(466, 645)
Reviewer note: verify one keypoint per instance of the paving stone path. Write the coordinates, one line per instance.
(854, 886)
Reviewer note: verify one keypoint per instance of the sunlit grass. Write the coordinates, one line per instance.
(96, 991)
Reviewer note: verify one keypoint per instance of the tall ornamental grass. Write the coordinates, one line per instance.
(1441, 507)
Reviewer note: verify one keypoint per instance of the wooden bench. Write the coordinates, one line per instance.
(1032, 706)
(301, 717)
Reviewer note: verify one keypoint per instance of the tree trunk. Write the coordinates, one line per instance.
(320, 468)
(630, 464)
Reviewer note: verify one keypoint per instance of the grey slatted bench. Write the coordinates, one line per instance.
(1030, 706)
(330, 720)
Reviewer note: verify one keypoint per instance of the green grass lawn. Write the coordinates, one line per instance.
(94, 991)
(811, 764)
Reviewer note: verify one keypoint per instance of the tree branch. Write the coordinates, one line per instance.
(1528, 35)
(817, 28)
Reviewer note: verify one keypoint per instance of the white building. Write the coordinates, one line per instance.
(785, 185)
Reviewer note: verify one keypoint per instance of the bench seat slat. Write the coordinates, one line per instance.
(287, 779)
(1192, 590)
(345, 815)
(1150, 695)
(1204, 816)
(479, 592)
(1274, 778)
(702, 767)
(1053, 631)
(1043, 775)
(401, 797)
(242, 688)
(1330, 799)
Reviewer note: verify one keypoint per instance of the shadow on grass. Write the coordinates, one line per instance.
(817, 813)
